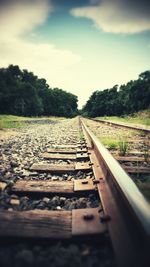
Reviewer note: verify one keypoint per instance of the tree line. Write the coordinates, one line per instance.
(119, 101)
(23, 93)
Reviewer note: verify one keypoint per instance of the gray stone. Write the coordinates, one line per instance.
(58, 208)
(14, 164)
(14, 196)
(55, 201)
(10, 183)
(72, 206)
(62, 200)
(46, 199)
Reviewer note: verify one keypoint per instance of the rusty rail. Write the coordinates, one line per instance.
(124, 125)
(124, 205)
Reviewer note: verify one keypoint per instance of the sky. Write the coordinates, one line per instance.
(77, 45)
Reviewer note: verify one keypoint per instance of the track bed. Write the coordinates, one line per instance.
(49, 204)
(61, 203)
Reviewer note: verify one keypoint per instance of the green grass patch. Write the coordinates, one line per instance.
(115, 144)
(81, 136)
(20, 118)
(11, 124)
(123, 147)
(109, 142)
(142, 118)
(11, 121)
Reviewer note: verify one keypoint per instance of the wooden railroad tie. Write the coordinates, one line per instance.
(70, 147)
(81, 150)
(64, 146)
(130, 153)
(61, 151)
(63, 156)
(136, 169)
(131, 158)
(60, 168)
(52, 224)
(67, 151)
(59, 156)
(54, 187)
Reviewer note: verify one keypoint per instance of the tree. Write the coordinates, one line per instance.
(23, 93)
(129, 98)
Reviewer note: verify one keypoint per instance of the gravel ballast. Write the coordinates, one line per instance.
(18, 152)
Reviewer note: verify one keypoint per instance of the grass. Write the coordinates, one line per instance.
(109, 142)
(142, 118)
(10, 124)
(81, 136)
(20, 118)
(146, 154)
(123, 147)
(11, 121)
(115, 144)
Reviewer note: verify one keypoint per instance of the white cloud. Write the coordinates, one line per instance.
(44, 59)
(17, 18)
(115, 16)
(98, 69)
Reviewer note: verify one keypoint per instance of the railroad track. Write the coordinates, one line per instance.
(142, 128)
(121, 218)
(135, 157)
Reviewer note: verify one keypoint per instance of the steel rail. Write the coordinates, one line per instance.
(134, 214)
(121, 124)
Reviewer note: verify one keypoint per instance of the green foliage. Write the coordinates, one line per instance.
(109, 142)
(12, 121)
(10, 124)
(81, 136)
(123, 147)
(137, 118)
(126, 99)
(22, 93)
(146, 154)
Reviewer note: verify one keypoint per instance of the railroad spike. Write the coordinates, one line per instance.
(88, 217)
(100, 210)
(105, 218)
(96, 181)
(84, 182)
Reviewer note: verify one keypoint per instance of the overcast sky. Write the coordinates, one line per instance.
(79, 46)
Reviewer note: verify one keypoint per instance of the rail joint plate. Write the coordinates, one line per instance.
(87, 222)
